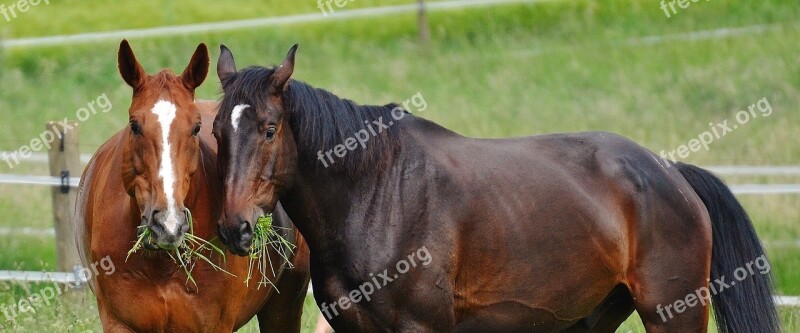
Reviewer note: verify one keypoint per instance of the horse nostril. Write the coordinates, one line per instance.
(157, 227)
(246, 232)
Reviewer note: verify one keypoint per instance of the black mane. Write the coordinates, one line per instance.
(319, 120)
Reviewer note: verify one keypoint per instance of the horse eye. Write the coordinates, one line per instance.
(196, 130)
(135, 128)
(271, 132)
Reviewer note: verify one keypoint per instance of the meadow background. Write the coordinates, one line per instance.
(494, 71)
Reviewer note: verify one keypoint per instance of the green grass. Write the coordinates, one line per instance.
(267, 236)
(79, 314)
(491, 72)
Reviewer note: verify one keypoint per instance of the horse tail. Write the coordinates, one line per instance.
(748, 306)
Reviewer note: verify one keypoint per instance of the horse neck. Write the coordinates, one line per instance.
(306, 204)
(324, 204)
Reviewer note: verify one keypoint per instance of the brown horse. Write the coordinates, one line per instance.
(414, 228)
(150, 174)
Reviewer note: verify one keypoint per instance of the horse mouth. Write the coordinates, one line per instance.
(235, 245)
(149, 243)
(241, 248)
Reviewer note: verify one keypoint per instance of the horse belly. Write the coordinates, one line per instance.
(540, 304)
(545, 273)
(512, 317)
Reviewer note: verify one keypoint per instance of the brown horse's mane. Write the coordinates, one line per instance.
(320, 120)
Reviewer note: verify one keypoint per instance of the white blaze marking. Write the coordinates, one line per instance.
(236, 114)
(166, 114)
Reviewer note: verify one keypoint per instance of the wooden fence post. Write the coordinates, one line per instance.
(64, 158)
(422, 23)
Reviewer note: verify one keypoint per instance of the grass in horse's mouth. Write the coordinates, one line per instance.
(191, 249)
(265, 236)
(187, 254)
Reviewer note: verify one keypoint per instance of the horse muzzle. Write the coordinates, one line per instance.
(167, 229)
(237, 234)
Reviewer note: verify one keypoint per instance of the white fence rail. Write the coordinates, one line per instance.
(252, 23)
(42, 157)
(26, 231)
(34, 276)
(355, 13)
(723, 170)
(38, 180)
(765, 189)
(742, 189)
(753, 170)
(787, 300)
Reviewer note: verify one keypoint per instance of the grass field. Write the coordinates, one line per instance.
(511, 70)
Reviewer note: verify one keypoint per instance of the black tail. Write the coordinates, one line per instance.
(748, 306)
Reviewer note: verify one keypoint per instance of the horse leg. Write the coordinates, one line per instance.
(283, 311)
(617, 307)
(114, 326)
(117, 328)
(111, 324)
(670, 284)
(673, 313)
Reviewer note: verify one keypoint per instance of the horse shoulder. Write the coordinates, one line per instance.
(96, 184)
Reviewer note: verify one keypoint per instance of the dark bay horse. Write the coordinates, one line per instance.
(149, 174)
(550, 233)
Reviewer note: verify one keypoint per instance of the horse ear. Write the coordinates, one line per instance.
(197, 70)
(281, 77)
(225, 65)
(129, 67)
